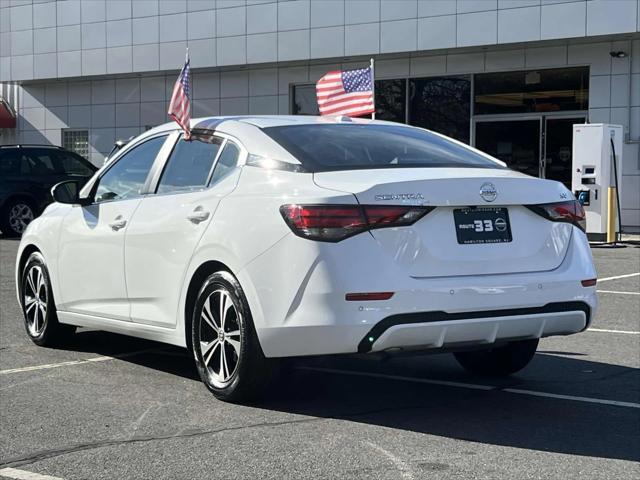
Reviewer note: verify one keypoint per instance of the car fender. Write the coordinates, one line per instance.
(207, 252)
(43, 234)
(248, 223)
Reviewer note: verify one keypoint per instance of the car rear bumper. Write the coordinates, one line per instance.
(476, 330)
(445, 330)
(300, 307)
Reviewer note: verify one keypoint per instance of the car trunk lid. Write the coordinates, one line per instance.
(431, 247)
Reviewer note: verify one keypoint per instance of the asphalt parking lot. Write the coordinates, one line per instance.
(113, 407)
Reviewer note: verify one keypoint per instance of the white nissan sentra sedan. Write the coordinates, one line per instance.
(266, 237)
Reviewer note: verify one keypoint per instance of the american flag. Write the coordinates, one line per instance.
(346, 92)
(180, 106)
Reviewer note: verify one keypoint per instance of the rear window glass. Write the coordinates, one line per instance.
(322, 148)
(189, 166)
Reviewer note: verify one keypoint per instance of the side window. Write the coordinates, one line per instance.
(69, 164)
(227, 162)
(41, 161)
(12, 163)
(126, 178)
(189, 165)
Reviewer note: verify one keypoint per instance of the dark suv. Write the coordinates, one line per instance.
(27, 173)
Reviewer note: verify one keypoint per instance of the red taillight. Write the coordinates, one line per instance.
(570, 212)
(384, 216)
(590, 282)
(332, 223)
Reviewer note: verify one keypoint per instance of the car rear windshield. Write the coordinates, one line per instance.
(322, 148)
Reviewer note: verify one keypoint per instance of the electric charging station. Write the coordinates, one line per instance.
(594, 172)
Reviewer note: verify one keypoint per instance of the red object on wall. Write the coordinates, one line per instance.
(7, 115)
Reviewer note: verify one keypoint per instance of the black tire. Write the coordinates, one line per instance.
(499, 361)
(38, 306)
(248, 372)
(11, 225)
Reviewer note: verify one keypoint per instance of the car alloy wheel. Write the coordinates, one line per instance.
(35, 300)
(20, 215)
(220, 337)
(224, 342)
(38, 305)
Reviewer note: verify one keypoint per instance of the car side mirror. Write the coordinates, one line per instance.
(67, 192)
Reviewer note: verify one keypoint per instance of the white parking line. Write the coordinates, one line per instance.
(618, 276)
(77, 362)
(24, 475)
(604, 330)
(571, 397)
(618, 292)
(475, 386)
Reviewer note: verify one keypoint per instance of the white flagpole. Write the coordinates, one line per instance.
(186, 60)
(373, 88)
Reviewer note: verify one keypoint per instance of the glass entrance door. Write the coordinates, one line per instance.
(539, 146)
(558, 138)
(515, 142)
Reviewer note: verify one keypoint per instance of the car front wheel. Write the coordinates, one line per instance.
(499, 361)
(15, 217)
(38, 306)
(225, 345)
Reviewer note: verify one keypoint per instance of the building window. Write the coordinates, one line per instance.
(304, 100)
(391, 100)
(557, 89)
(441, 104)
(76, 141)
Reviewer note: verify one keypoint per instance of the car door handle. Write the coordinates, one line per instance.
(198, 215)
(118, 223)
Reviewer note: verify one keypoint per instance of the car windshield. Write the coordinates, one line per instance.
(322, 148)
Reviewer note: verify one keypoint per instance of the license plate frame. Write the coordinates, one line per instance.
(482, 225)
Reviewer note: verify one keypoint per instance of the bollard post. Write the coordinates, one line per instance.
(611, 215)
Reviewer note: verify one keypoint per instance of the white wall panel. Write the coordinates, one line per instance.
(433, 8)
(146, 58)
(519, 25)
(611, 16)
(206, 85)
(479, 28)
(563, 20)
(600, 91)
(505, 60)
(327, 13)
(56, 117)
(437, 32)
(327, 42)
(398, 9)
(432, 65)
(546, 56)
(45, 65)
(362, 39)
(234, 84)
(262, 18)
(466, 6)
(363, 11)
(398, 36)
(263, 82)
(262, 47)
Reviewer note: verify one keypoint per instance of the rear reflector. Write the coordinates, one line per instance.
(589, 283)
(363, 297)
(568, 212)
(332, 223)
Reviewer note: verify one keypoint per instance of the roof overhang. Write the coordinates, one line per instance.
(7, 115)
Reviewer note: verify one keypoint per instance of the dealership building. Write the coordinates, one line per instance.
(510, 77)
